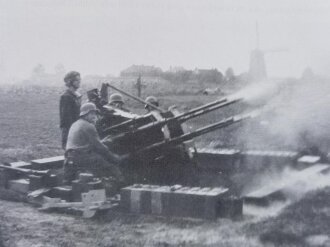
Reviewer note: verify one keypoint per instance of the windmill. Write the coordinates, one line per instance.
(257, 68)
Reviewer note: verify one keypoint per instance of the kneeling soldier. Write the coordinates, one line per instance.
(85, 152)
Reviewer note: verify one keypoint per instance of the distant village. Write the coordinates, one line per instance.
(152, 79)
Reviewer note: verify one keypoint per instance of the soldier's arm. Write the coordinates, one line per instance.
(99, 147)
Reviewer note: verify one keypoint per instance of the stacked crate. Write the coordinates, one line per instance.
(257, 160)
(218, 160)
(307, 161)
(178, 201)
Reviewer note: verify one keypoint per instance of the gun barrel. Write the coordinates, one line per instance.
(186, 115)
(121, 125)
(207, 108)
(203, 109)
(201, 131)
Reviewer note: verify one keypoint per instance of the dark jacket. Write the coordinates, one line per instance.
(69, 108)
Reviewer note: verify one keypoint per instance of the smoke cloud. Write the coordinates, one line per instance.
(293, 184)
(299, 118)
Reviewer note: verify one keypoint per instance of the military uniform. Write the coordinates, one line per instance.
(86, 153)
(70, 103)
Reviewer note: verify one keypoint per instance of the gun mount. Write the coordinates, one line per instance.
(158, 143)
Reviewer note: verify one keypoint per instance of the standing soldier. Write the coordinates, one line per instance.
(70, 102)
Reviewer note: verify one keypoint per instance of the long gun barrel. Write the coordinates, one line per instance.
(25, 171)
(187, 115)
(205, 109)
(184, 116)
(121, 125)
(201, 131)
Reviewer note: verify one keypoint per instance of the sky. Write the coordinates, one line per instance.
(106, 36)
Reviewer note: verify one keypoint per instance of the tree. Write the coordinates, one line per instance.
(38, 71)
(209, 75)
(307, 74)
(230, 76)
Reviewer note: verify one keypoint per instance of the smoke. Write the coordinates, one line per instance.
(257, 94)
(293, 184)
(290, 185)
(299, 117)
(291, 181)
(298, 183)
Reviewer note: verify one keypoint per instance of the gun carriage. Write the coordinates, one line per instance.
(158, 143)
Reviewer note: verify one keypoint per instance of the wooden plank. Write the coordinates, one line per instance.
(20, 164)
(48, 163)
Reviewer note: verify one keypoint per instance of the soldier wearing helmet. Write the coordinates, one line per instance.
(116, 101)
(85, 151)
(70, 103)
(153, 101)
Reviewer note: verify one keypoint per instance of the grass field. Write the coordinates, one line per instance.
(30, 129)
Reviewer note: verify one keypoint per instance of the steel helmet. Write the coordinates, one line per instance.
(152, 100)
(87, 108)
(115, 98)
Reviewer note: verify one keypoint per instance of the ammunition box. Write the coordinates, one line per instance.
(307, 161)
(63, 192)
(19, 185)
(218, 160)
(193, 202)
(35, 182)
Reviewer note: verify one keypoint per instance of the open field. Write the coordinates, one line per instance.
(29, 129)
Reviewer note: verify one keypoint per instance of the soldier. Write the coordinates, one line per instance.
(116, 101)
(93, 96)
(86, 152)
(153, 101)
(70, 103)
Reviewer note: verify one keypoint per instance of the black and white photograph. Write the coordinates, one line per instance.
(164, 123)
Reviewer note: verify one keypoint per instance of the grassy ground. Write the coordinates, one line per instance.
(29, 129)
(29, 126)
(303, 223)
(31, 228)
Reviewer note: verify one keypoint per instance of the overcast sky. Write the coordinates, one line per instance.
(106, 36)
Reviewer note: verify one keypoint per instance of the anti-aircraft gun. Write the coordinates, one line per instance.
(158, 144)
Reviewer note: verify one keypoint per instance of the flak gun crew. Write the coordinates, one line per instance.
(85, 152)
(70, 103)
(151, 100)
(116, 101)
